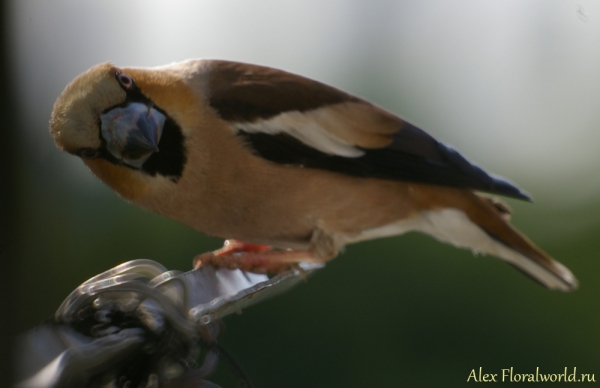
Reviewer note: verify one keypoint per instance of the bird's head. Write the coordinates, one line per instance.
(116, 121)
(103, 114)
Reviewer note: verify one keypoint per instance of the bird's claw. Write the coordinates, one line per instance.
(254, 258)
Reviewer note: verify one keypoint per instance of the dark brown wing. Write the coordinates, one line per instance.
(293, 120)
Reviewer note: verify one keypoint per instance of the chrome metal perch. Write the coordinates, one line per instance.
(140, 325)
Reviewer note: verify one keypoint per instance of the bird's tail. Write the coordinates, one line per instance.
(468, 220)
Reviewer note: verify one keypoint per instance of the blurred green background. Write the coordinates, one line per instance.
(514, 85)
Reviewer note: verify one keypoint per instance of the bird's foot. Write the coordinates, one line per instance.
(254, 258)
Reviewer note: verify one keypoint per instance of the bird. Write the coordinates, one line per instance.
(285, 168)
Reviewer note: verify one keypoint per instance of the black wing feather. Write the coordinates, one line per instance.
(413, 156)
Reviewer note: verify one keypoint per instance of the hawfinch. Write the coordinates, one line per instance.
(273, 159)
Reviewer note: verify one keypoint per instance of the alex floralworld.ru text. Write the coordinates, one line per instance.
(508, 375)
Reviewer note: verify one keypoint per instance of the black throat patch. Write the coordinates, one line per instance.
(170, 159)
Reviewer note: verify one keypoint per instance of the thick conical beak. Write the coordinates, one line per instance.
(132, 133)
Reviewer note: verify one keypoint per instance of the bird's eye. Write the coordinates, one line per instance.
(88, 153)
(125, 81)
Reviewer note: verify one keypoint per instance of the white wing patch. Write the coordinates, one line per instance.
(454, 227)
(307, 127)
(395, 229)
